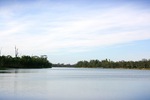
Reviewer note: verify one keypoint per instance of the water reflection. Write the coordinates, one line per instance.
(75, 84)
(19, 71)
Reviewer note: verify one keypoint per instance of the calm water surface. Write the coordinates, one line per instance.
(74, 84)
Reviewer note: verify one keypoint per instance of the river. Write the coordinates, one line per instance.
(74, 84)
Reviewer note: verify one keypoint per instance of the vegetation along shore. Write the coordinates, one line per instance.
(24, 62)
(107, 63)
(42, 62)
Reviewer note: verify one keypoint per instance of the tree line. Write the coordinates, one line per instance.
(63, 65)
(142, 64)
(24, 62)
(42, 62)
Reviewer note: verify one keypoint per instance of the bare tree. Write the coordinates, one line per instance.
(0, 51)
(16, 52)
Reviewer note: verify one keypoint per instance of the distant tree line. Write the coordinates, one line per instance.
(142, 64)
(24, 62)
(63, 65)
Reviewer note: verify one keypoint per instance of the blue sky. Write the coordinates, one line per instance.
(68, 31)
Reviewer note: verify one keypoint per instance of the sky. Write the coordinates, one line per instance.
(68, 31)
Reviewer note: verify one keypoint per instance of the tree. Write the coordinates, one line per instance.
(143, 64)
(24, 62)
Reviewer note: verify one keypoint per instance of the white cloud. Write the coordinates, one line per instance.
(42, 32)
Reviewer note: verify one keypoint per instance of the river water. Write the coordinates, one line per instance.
(74, 84)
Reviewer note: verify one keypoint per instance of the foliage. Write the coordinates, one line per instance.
(142, 64)
(62, 65)
(24, 62)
